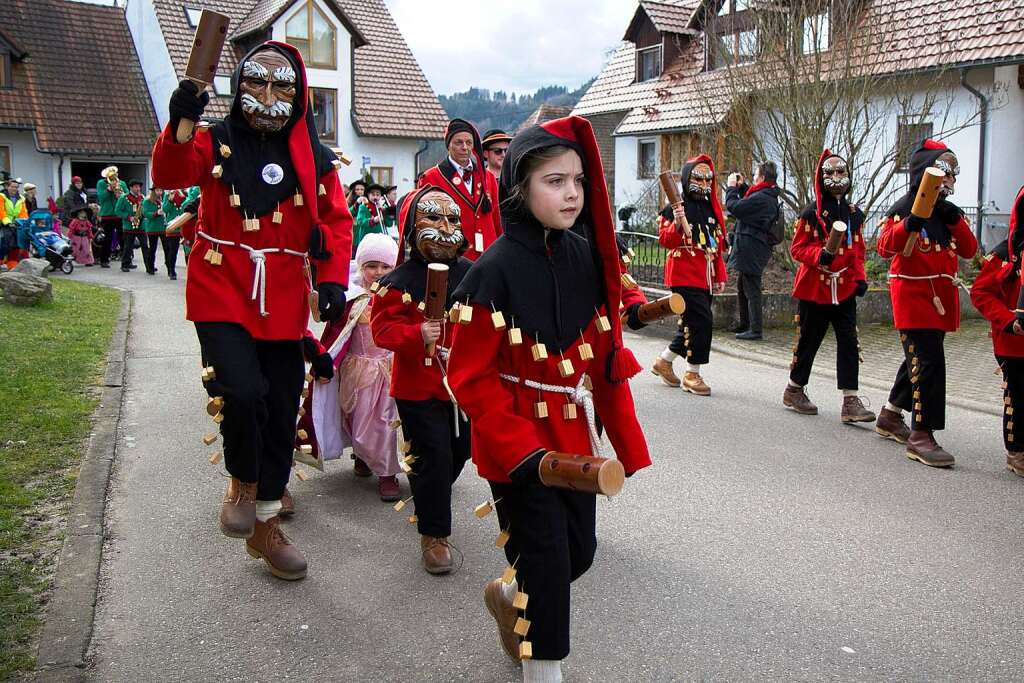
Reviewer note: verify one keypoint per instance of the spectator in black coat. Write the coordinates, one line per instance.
(756, 209)
(75, 199)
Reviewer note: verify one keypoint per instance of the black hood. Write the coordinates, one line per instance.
(924, 157)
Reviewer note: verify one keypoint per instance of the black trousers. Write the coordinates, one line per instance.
(1013, 402)
(552, 543)
(693, 338)
(170, 246)
(814, 321)
(128, 248)
(261, 382)
(920, 385)
(440, 455)
(748, 301)
(111, 229)
(149, 242)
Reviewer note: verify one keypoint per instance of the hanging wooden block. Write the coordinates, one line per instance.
(1009, 424)
(395, 424)
(565, 368)
(1009, 411)
(421, 306)
(208, 373)
(301, 474)
(209, 439)
(383, 291)
(628, 282)
(525, 650)
(911, 349)
(400, 505)
(374, 287)
(498, 321)
(404, 466)
(412, 519)
(478, 242)
(278, 217)
(509, 575)
(520, 600)
(502, 540)
(1006, 400)
(215, 458)
(217, 171)
(409, 459)
(297, 199)
(586, 352)
(302, 434)
(917, 406)
(483, 509)
(917, 395)
(214, 405)
(217, 258)
(302, 411)
(465, 314)
(208, 257)
(224, 150)
(406, 446)
(540, 410)
(234, 200)
(1009, 438)
(322, 191)
(602, 324)
(539, 352)
(515, 336)
(522, 627)
(305, 393)
(218, 418)
(453, 313)
(251, 225)
(569, 411)
(306, 449)
(406, 298)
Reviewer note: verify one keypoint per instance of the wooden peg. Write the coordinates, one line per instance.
(540, 410)
(214, 405)
(217, 171)
(565, 368)
(525, 650)
(522, 627)
(520, 600)
(602, 324)
(515, 336)
(400, 505)
(569, 411)
(498, 320)
(502, 539)
(586, 352)
(302, 434)
(215, 458)
(209, 439)
(539, 352)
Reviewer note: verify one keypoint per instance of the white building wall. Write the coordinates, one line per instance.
(1006, 142)
(153, 55)
(29, 164)
(628, 187)
(396, 153)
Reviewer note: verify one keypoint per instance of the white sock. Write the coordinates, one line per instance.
(895, 409)
(668, 355)
(695, 369)
(794, 385)
(542, 671)
(849, 392)
(510, 589)
(265, 509)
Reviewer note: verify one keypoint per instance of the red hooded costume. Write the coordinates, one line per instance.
(996, 291)
(691, 262)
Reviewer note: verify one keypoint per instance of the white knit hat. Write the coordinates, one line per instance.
(377, 247)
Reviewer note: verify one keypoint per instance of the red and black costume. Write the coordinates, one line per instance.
(438, 432)
(248, 286)
(923, 289)
(560, 290)
(481, 222)
(694, 265)
(996, 293)
(826, 286)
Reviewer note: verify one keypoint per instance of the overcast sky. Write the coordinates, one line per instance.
(511, 45)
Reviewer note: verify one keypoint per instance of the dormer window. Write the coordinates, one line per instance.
(731, 35)
(193, 14)
(313, 34)
(222, 85)
(648, 64)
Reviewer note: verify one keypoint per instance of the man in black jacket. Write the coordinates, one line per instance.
(755, 208)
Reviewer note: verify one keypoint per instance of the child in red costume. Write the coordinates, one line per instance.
(544, 329)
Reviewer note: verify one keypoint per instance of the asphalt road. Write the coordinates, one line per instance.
(761, 545)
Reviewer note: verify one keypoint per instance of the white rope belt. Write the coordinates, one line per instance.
(579, 395)
(833, 283)
(955, 279)
(710, 271)
(442, 354)
(259, 260)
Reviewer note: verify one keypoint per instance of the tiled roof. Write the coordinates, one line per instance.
(80, 87)
(670, 17)
(392, 96)
(686, 96)
(543, 113)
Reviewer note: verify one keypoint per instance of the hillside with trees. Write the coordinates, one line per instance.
(500, 109)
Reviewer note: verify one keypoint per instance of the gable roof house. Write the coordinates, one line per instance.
(370, 99)
(72, 95)
(666, 94)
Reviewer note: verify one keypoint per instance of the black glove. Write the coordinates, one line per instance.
(948, 212)
(825, 258)
(323, 366)
(862, 288)
(914, 223)
(318, 244)
(528, 471)
(631, 318)
(332, 301)
(310, 350)
(187, 103)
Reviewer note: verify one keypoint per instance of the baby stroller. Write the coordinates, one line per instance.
(45, 242)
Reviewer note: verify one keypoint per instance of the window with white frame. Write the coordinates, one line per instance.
(222, 85)
(324, 107)
(193, 14)
(313, 34)
(647, 159)
(816, 33)
(648, 64)
(5, 158)
(909, 136)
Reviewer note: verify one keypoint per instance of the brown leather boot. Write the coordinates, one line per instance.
(854, 410)
(796, 398)
(269, 544)
(890, 424)
(694, 383)
(287, 504)
(238, 511)
(505, 615)
(1015, 462)
(437, 557)
(921, 446)
(663, 369)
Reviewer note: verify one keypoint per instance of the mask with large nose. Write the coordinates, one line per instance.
(267, 88)
(438, 224)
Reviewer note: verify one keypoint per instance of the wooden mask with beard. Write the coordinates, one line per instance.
(438, 224)
(267, 88)
(835, 176)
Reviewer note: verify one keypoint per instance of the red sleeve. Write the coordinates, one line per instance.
(500, 432)
(188, 230)
(669, 234)
(721, 273)
(987, 294)
(966, 243)
(893, 238)
(334, 214)
(614, 405)
(181, 165)
(859, 254)
(492, 185)
(804, 247)
(392, 326)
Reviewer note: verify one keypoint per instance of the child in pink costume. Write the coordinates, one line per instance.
(81, 233)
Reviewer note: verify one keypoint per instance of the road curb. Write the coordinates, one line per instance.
(666, 332)
(68, 623)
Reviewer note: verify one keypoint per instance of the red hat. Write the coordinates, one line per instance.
(76, 179)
